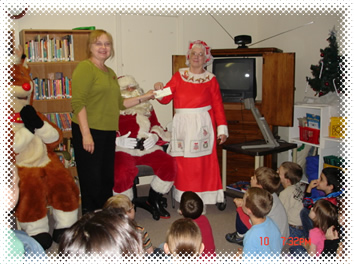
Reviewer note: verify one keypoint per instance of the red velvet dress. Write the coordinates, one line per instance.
(199, 174)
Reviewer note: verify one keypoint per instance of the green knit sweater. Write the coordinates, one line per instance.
(99, 92)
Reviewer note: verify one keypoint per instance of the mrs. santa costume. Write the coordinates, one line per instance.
(136, 123)
(198, 121)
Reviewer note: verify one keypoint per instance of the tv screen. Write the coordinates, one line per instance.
(236, 77)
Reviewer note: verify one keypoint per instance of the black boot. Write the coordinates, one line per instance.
(157, 202)
(57, 233)
(44, 239)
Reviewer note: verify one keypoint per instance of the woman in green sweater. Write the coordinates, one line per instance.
(96, 103)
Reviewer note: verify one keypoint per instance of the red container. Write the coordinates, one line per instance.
(310, 135)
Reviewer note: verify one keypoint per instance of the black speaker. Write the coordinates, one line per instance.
(242, 40)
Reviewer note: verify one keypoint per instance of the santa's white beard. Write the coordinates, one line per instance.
(143, 108)
(130, 94)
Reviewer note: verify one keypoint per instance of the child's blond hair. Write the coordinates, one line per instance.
(292, 171)
(267, 178)
(184, 237)
(119, 201)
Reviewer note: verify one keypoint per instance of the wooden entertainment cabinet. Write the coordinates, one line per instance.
(277, 105)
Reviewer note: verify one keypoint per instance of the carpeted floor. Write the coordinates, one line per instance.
(222, 222)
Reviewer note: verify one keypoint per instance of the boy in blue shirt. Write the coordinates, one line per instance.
(330, 182)
(264, 237)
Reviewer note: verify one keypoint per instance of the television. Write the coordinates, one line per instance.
(236, 77)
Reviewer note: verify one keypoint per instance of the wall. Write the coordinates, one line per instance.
(144, 44)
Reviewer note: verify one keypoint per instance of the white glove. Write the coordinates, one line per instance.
(125, 142)
(150, 141)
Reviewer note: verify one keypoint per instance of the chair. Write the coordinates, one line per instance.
(142, 202)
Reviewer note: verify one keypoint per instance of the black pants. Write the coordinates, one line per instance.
(96, 171)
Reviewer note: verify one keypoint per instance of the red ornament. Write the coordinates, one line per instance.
(322, 54)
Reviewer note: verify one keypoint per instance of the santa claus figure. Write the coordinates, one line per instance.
(139, 142)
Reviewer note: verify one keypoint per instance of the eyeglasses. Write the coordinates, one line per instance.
(197, 54)
(106, 44)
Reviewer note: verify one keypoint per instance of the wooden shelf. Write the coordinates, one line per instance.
(73, 171)
(243, 52)
(53, 105)
(80, 38)
(41, 70)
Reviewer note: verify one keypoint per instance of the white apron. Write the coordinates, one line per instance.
(192, 133)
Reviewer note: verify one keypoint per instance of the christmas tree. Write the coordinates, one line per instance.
(327, 74)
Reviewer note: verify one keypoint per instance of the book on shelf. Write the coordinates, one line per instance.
(66, 154)
(59, 121)
(68, 42)
(56, 86)
(46, 49)
(313, 121)
(240, 186)
(62, 120)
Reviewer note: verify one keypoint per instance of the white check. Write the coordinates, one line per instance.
(162, 93)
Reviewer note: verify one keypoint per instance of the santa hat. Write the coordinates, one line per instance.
(127, 81)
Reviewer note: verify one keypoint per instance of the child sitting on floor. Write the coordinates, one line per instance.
(191, 206)
(333, 246)
(123, 201)
(107, 231)
(21, 245)
(323, 214)
(291, 197)
(264, 237)
(330, 183)
(184, 238)
(269, 180)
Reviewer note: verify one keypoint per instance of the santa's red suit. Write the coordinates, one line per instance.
(136, 123)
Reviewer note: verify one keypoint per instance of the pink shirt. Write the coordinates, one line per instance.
(317, 237)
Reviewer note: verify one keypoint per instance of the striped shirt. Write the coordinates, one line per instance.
(146, 238)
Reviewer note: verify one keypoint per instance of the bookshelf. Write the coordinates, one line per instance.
(326, 145)
(53, 52)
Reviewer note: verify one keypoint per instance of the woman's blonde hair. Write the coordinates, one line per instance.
(184, 238)
(94, 35)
